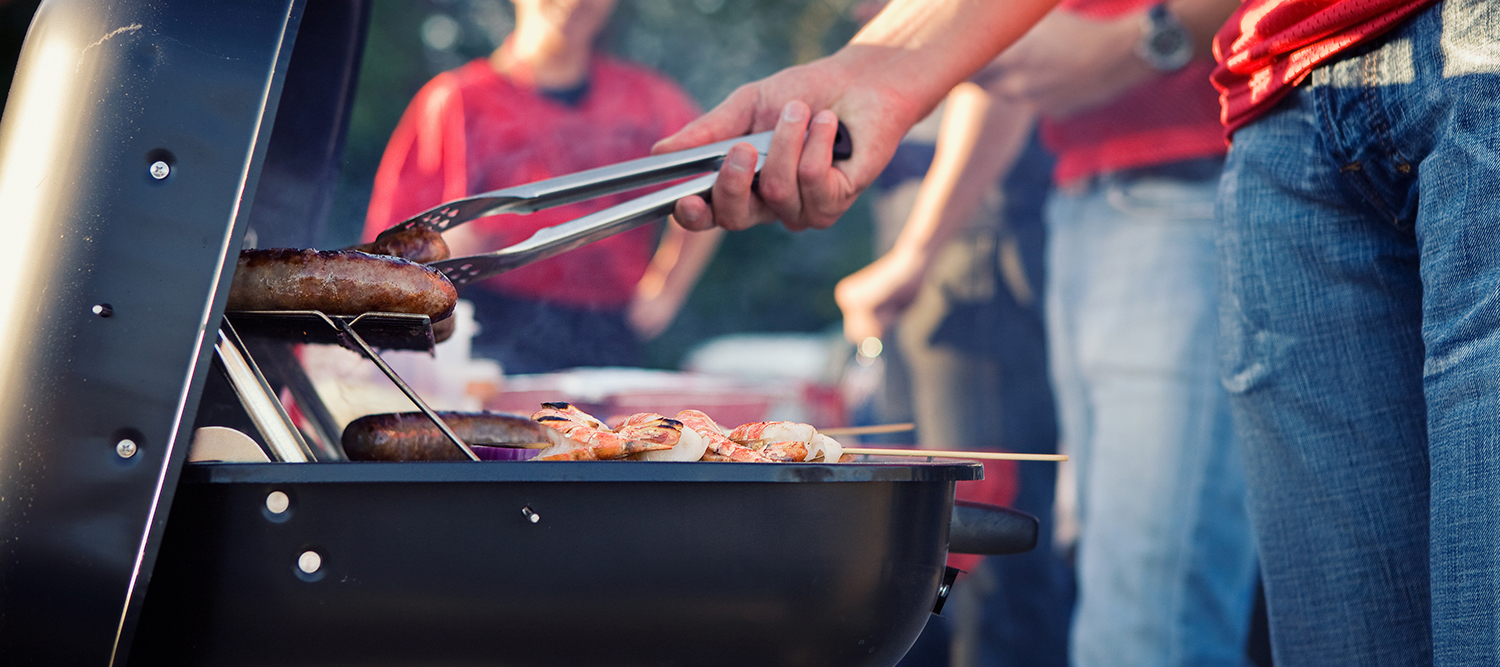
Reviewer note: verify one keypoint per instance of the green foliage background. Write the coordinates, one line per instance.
(765, 279)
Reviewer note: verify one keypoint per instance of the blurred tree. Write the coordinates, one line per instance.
(764, 279)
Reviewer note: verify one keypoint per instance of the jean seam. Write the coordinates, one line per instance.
(1351, 171)
(1382, 129)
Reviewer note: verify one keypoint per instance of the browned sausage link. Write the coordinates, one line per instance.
(338, 282)
(418, 244)
(411, 436)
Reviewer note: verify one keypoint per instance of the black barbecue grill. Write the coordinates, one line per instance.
(142, 142)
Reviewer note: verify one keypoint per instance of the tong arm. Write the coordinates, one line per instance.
(551, 241)
(580, 186)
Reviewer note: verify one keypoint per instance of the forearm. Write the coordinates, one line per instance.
(924, 48)
(679, 260)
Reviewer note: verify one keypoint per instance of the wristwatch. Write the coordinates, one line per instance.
(1166, 45)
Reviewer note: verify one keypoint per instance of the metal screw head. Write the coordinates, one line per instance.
(126, 448)
(530, 515)
(103, 310)
(160, 170)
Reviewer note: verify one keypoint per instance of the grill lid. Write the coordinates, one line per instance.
(130, 153)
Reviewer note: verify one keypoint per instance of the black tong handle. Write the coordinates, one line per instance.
(843, 146)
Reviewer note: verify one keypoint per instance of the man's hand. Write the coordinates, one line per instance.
(799, 184)
(873, 297)
(1068, 64)
(885, 80)
(649, 316)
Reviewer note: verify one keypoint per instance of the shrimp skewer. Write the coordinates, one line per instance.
(756, 434)
(717, 442)
(779, 441)
(575, 437)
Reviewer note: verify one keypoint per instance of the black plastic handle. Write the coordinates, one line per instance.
(990, 530)
(843, 146)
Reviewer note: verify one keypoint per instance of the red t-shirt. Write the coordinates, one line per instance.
(1269, 46)
(472, 130)
(1169, 119)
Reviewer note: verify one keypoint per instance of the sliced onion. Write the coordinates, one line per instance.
(829, 449)
(690, 447)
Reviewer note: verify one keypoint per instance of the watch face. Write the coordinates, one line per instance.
(1167, 43)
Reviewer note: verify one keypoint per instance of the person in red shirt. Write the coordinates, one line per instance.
(545, 104)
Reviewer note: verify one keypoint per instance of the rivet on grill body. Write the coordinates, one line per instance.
(126, 448)
(277, 502)
(160, 170)
(530, 515)
(309, 562)
(103, 310)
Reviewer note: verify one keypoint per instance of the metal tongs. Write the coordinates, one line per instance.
(584, 185)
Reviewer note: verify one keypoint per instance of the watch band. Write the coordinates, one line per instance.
(1165, 44)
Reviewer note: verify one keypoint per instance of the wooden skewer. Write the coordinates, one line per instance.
(947, 454)
(868, 430)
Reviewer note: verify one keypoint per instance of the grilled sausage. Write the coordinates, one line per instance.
(338, 282)
(411, 436)
(418, 244)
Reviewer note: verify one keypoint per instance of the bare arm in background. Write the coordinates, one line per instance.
(675, 268)
(979, 140)
(1070, 63)
(1064, 65)
(886, 79)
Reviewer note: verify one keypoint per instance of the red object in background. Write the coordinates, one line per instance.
(999, 487)
(473, 130)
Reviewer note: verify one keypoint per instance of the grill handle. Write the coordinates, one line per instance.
(990, 530)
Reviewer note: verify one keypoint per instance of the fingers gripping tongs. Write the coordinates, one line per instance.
(612, 179)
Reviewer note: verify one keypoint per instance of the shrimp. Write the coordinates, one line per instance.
(755, 434)
(778, 441)
(574, 437)
(790, 450)
(651, 427)
(571, 413)
(717, 442)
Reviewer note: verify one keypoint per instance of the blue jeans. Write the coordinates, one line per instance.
(1360, 242)
(1166, 565)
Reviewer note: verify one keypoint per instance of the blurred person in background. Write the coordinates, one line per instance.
(1166, 560)
(545, 104)
(961, 289)
(1166, 564)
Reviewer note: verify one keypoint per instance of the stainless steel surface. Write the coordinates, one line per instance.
(551, 241)
(389, 331)
(260, 402)
(589, 184)
(558, 239)
(374, 356)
